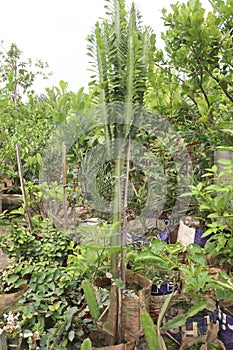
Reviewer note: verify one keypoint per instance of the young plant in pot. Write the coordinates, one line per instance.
(159, 262)
(215, 198)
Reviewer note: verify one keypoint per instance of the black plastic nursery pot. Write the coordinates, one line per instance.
(225, 334)
(196, 330)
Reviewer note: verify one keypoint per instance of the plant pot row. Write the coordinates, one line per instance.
(216, 323)
(149, 297)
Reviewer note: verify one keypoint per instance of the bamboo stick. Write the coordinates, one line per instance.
(64, 184)
(27, 214)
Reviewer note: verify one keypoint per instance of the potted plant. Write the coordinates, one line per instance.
(116, 68)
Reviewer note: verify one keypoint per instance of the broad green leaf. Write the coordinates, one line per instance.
(26, 270)
(63, 85)
(175, 322)
(86, 344)
(69, 316)
(164, 309)
(150, 331)
(196, 308)
(13, 278)
(19, 282)
(91, 299)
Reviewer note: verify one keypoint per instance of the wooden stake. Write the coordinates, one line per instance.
(64, 184)
(123, 242)
(27, 214)
(125, 203)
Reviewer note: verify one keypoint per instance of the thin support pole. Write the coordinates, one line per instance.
(27, 214)
(64, 184)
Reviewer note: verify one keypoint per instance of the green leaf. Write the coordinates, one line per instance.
(213, 216)
(19, 282)
(71, 335)
(69, 316)
(196, 308)
(150, 331)
(204, 207)
(26, 270)
(13, 278)
(214, 168)
(175, 322)
(86, 344)
(226, 148)
(225, 161)
(207, 233)
(63, 85)
(54, 307)
(27, 333)
(91, 299)
(119, 283)
(164, 309)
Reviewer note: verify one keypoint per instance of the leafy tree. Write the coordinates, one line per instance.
(17, 75)
(29, 125)
(199, 50)
(27, 121)
(194, 75)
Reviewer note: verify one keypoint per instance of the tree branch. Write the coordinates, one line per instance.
(227, 93)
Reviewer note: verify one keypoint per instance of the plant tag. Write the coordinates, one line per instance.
(186, 234)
